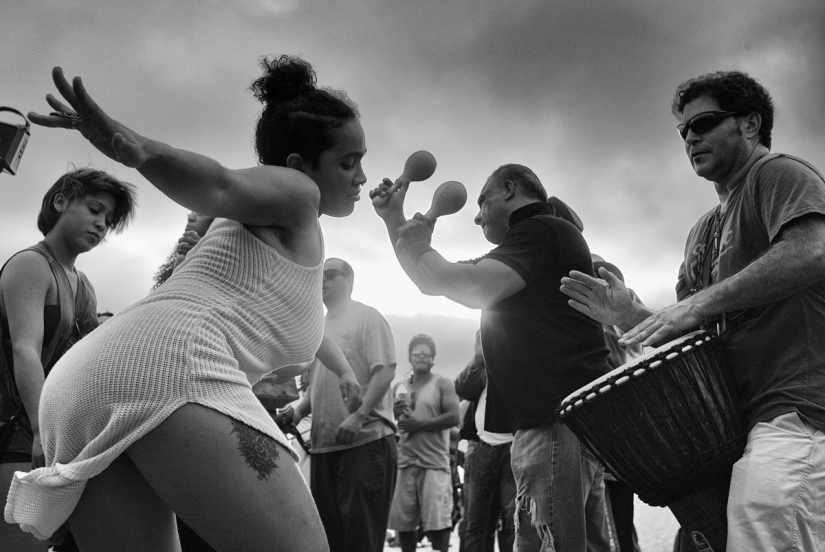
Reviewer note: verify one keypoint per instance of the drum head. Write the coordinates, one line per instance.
(628, 369)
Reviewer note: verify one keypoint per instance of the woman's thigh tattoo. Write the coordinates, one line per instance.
(260, 451)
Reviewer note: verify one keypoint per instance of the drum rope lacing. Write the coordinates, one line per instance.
(590, 392)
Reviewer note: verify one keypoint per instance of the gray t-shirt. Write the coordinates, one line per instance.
(776, 351)
(366, 340)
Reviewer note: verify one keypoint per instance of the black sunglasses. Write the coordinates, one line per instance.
(331, 273)
(703, 122)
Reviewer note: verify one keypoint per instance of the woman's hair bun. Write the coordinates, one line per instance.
(284, 78)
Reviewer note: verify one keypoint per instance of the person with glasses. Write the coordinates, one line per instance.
(354, 457)
(537, 349)
(754, 267)
(46, 305)
(153, 414)
(426, 412)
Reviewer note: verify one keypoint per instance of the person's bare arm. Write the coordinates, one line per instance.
(377, 387)
(259, 196)
(448, 418)
(794, 262)
(388, 202)
(336, 362)
(24, 285)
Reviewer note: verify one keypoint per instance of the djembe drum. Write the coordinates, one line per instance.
(668, 425)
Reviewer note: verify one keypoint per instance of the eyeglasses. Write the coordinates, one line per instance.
(331, 273)
(420, 354)
(703, 122)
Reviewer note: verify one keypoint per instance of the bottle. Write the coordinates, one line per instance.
(401, 393)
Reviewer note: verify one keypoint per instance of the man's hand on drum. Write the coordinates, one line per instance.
(107, 135)
(604, 299)
(663, 324)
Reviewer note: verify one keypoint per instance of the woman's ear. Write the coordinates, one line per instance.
(295, 161)
(60, 203)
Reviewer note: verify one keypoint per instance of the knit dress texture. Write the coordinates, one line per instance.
(233, 311)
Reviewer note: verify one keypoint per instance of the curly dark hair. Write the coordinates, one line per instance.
(297, 115)
(164, 271)
(80, 183)
(733, 91)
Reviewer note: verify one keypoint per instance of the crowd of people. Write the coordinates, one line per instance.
(149, 420)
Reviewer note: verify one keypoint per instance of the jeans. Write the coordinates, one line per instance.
(489, 495)
(777, 490)
(353, 491)
(560, 493)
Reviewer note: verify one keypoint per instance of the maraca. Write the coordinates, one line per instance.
(419, 166)
(448, 198)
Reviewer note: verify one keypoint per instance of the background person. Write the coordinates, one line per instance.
(161, 416)
(620, 496)
(424, 488)
(46, 305)
(489, 486)
(354, 455)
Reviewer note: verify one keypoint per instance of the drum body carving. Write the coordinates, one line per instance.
(669, 426)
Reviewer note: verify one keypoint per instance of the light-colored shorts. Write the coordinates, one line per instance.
(777, 488)
(422, 495)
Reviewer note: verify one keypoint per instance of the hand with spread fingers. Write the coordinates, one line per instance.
(107, 135)
(604, 299)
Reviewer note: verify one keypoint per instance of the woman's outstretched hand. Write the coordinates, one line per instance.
(109, 136)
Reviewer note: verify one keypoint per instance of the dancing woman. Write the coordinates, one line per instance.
(154, 413)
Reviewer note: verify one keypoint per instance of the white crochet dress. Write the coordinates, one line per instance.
(233, 311)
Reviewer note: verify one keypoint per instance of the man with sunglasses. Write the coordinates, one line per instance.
(755, 268)
(354, 455)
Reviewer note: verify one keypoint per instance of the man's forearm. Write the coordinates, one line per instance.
(442, 421)
(787, 268)
(376, 389)
(407, 264)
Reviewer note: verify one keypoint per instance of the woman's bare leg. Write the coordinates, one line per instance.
(119, 511)
(234, 486)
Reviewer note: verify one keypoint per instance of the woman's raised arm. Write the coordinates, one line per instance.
(260, 196)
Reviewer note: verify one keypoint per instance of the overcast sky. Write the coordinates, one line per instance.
(577, 90)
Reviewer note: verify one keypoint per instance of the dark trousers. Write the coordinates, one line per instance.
(353, 491)
(621, 506)
(489, 496)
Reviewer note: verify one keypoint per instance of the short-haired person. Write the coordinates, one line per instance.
(354, 457)
(754, 265)
(424, 488)
(537, 349)
(46, 305)
(153, 413)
